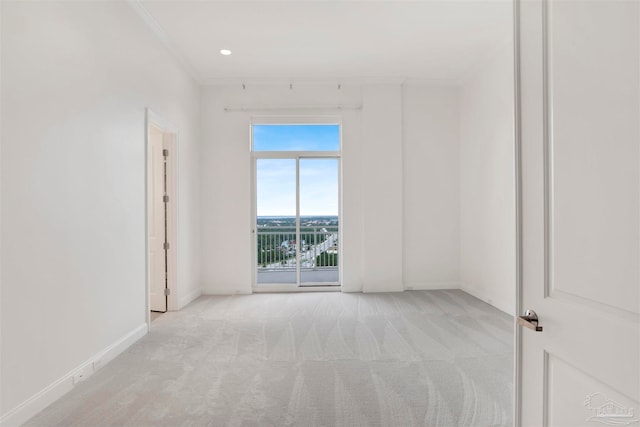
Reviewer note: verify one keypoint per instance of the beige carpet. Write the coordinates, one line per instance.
(418, 358)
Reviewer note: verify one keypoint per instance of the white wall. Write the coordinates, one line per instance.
(74, 93)
(76, 80)
(226, 179)
(431, 214)
(381, 154)
(487, 218)
(400, 183)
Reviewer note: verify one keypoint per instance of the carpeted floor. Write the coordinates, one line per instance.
(417, 358)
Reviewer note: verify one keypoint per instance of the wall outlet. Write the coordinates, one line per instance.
(78, 377)
(82, 373)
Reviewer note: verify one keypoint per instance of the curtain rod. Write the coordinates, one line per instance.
(245, 108)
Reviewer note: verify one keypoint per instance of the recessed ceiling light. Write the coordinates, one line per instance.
(225, 52)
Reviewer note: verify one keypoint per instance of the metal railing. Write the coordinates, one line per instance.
(277, 248)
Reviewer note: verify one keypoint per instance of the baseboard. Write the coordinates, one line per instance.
(347, 290)
(482, 297)
(188, 298)
(286, 288)
(220, 290)
(430, 286)
(64, 384)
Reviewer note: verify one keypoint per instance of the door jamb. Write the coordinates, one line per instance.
(517, 152)
(151, 118)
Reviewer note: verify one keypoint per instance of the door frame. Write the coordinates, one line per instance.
(295, 155)
(517, 153)
(170, 132)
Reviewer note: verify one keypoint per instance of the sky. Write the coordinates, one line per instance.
(296, 137)
(276, 178)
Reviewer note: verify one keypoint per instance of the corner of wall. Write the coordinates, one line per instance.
(189, 297)
(500, 305)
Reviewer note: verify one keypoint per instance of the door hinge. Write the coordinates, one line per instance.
(167, 292)
(165, 198)
(165, 153)
(166, 246)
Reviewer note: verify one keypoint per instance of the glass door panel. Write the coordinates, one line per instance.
(276, 221)
(319, 205)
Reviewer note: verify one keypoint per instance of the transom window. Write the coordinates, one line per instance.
(296, 137)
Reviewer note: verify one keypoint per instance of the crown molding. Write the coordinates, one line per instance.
(332, 82)
(256, 81)
(162, 36)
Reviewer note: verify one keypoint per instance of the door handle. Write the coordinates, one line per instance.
(529, 320)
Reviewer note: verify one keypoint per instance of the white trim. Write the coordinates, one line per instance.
(151, 118)
(291, 107)
(185, 300)
(1, 258)
(430, 286)
(297, 156)
(162, 36)
(148, 119)
(340, 216)
(296, 120)
(254, 81)
(298, 237)
(160, 121)
(254, 213)
(547, 144)
(64, 384)
(329, 81)
(337, 83)
(172, 220)
(225, 291)
(545, 387)
(267, 288)
(517, 153)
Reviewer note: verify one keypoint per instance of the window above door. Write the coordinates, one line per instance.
(304, 135)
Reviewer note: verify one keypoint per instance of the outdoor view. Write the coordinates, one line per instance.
(297, 188)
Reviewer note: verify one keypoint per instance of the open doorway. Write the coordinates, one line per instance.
(161, 214)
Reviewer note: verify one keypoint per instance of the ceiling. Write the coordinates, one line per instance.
(307, 40)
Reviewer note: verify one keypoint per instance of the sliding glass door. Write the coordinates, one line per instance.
(276, 223)
(318, 218)
(297, 201)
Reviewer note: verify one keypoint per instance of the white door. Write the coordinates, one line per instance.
(157, 259)
(580, 187)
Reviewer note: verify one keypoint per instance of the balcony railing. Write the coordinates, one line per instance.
(277, 253)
